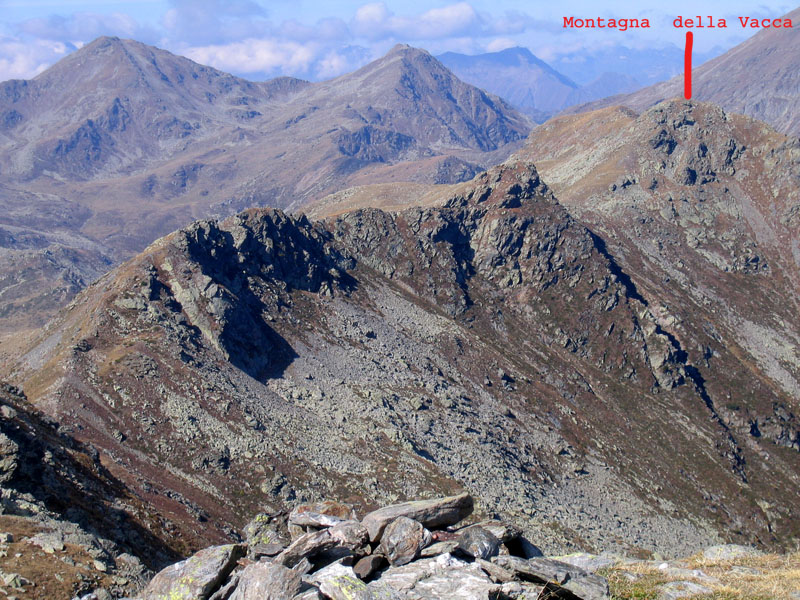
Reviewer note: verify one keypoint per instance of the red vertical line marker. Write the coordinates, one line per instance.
(687, 65)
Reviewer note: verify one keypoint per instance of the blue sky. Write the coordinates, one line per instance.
(312, 39)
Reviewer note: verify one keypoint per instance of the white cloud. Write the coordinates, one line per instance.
(263, 56)
(375, 21)
(332, 65)
(85, 26)
(498, 44)
(447, 21)
(24, 60)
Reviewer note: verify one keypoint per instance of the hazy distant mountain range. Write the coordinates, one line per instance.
(531, 84)
(542, 90)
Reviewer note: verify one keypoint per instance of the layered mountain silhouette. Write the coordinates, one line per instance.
(759, 78)
(135, 142)
(531, 84)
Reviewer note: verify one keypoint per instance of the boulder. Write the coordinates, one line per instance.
(403, 540)
(431, 513)
(367, 565)
(345, 586)
(583, 584)
(195, 578)
(477, 542)
(446, 578)
(263, 531)
(332, 571)
(267, 581)
(675, 590)
(351, 535)
(439, 548)
(306, 546)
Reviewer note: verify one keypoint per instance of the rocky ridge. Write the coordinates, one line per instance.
(713, 242)
(380, 356)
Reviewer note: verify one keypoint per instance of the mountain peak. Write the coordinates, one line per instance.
(403, 49)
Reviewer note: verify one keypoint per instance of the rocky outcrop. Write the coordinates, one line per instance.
(211, 575)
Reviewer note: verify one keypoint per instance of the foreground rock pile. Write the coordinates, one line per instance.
(406, 551)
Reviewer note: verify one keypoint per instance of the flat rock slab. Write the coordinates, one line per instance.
(446, 578)
(267, 581)
(588, 562)
(195, 578)
(312, 519)
(730, 552)
(431, 513)
(681, 589)
(332, 571)
(583, 584)
(306, 514)
(307, 545)
(439, 548)
(346, 587)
